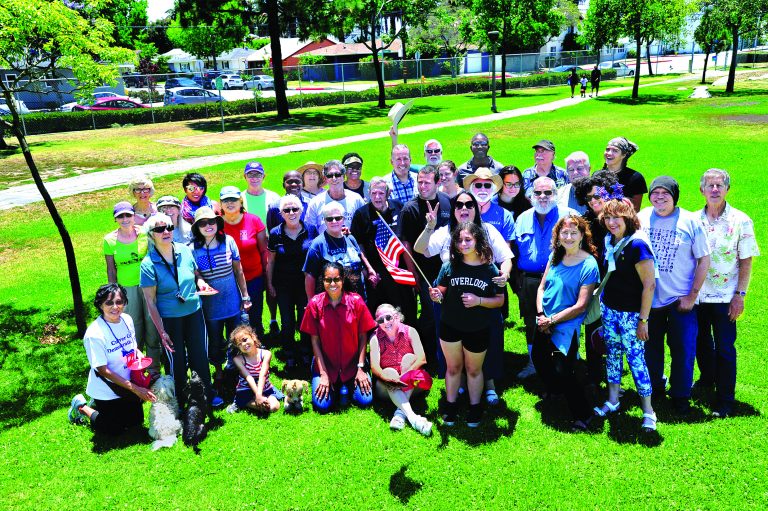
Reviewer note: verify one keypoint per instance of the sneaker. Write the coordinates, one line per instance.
(232, 408)
(398, 420)
(527, 371)
(449, 414)
(474, 416)
(217, 402)
(75, 415)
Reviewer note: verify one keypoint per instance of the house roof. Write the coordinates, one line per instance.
(177, 55)
(289, 46)
(237, 54)
(350, 49)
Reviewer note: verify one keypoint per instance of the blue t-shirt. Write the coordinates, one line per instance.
(326, 248)
(624, 289)
(155, 271)
(501, 219)
(215, 266)
(561, 290)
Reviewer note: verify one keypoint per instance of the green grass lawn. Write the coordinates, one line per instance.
(521, 457)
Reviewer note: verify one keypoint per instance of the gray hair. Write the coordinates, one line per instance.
(400, 147)
(432, 141)
(549, 181)
(715, 173)
(290, 199)
(138, 181)
(334, 164)
(577, 156)
(151, 223)
(378, 180)
(332, 206)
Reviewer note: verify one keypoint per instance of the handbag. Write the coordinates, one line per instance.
(593, 309)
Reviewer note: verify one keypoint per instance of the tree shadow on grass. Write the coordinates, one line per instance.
(403, 487)
(644, 99)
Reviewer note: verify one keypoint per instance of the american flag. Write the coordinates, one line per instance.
(390, 248)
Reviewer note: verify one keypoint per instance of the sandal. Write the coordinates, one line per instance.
(580, 426)
(491, 397)
(398, 421)
(607, 409)
(649, 422)
(422, 425)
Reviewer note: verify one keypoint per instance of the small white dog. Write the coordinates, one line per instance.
(164, 424)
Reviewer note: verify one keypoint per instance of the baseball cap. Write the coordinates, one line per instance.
(545, 144)
(123, 207)
(253, 166)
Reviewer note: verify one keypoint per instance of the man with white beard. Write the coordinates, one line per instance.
(533, 235)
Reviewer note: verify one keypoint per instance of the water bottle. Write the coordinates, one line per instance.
(244, 319)
(343, 395)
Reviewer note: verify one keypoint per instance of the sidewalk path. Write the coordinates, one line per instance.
(27, 194)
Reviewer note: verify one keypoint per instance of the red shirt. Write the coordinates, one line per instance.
(392, 352)
(244, 233)
(339, 329)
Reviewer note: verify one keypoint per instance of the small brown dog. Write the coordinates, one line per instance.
(294, 395)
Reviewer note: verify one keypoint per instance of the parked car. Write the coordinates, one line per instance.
(111, 104)
(67, 107)
(134, 80)
(21, 107)
(170, 83)
(230, 81)
(189, 96)
(565, 69)
(259, 82)
(206, 78)
(620, 68)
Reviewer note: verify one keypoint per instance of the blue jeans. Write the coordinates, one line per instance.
(680, 329)
(324, 405)
(256, 292)
(716, 350)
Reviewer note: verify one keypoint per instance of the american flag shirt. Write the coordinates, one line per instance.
(215, 263)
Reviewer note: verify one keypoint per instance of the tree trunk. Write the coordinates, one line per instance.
(3, 143)
(704, 73)
(636, 84)
(273, 26)
(732, 70)
(66, 240)
(648, 54)
(377, 69)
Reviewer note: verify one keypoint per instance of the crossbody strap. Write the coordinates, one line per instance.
(618, 250)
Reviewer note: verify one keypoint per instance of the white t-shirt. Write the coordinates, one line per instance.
(350, 202)
(440, 243)
(108, 344)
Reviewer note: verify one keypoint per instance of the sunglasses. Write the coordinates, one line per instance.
(124, 215)
(383, 319)
(205, 222)
(538, 193)
(479, 144)
(110, 303)
(433, 151)
(590, 198)
(465, 205)
(332, 280)
(290, 210)
(293, 182)
(334, 218)
(194, 188)
(142, 190)
(162, 228)
(334, 175)
(482, 185)
(229, 200)
(254, 175)
(513, 185)
(355, 167)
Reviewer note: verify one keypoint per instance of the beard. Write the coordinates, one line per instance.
(543, 210)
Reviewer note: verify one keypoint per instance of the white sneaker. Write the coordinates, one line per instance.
(527, 371)
(398, 420)
(75, 415)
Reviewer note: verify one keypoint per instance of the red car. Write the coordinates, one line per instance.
(111, 104)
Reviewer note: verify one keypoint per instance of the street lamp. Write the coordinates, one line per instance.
(493, 35)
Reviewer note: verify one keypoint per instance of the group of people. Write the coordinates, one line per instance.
(594, 78)
(408, 273)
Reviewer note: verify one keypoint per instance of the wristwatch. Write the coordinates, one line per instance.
(740, 293)
(643, 320)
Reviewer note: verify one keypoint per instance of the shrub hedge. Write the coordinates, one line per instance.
(55, 122)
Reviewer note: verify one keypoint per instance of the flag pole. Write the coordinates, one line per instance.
(405, 251)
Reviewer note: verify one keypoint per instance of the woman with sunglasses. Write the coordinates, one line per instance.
(195, 187)
(218, 259)
(142, 189)
(288, 245)
(510, 196)
(110, 344)
(250, 235)
(467, 291)
(338, 323)
(396, 349)
(124, 248)
(170, 280)
(171, 206)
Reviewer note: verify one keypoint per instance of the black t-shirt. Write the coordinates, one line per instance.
(633, 182)
(364, 229)
(289, 254)
(598, 238)
(460, 278)
(412, 222)
(624, 289)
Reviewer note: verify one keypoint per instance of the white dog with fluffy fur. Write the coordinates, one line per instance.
(164, 424)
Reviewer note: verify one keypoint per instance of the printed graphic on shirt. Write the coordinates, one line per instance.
(665, 246)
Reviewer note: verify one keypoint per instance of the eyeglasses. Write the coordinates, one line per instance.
(110, 303)
(479, 143)
(355, 166)
(538, 193)
(124, 215)
(194, 188)
(433, 151)
(288, 211)
(482, 185)
(254, 175)
(513, 185)
(334, 218)
(332, 280)
(229, 200)
(162, 228)
(142, 190)
(293, 181)
(465, 205)
(205, 222)
(334, 175)
(590, 198)
(383, 319)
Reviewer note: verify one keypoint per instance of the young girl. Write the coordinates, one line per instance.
(583, 86)
(254, 390)
(466, 289)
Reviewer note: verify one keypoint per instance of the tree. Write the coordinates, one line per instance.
(602, 25)
(739, 16)
(446, 31)
(712, 36)
(40, 39)
(129, 18)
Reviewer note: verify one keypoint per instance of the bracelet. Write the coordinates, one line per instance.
(552, 319)
(360, 366)
(246, 298)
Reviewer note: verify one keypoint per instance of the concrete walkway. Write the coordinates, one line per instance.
(27, 194)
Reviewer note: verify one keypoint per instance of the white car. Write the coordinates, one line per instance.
(67, 107)
(21, 107)
(259, 82)
(229, 81)
(620, 68)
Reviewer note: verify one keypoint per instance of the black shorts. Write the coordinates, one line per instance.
(474, 342)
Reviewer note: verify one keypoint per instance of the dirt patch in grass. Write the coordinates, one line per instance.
(266, 134)
(746, 119)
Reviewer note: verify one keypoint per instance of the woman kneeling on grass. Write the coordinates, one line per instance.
(338, 323)
(395, 350)
(254, 390)
(110, 344)
(466, 289)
